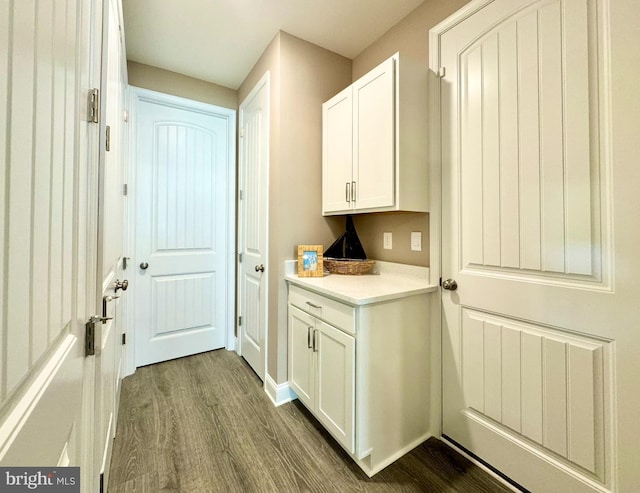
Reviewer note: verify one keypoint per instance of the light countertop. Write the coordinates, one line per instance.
(390, 282)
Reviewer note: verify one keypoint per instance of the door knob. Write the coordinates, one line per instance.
(449, 285)
(260, 268)
(144, 265)
(121, 285)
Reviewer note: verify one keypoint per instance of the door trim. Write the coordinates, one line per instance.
(138, 93)
(265, 81)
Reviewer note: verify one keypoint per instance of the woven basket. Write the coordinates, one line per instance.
(348, 266)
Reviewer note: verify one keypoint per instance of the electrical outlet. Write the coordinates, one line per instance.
(416, 241)
(387, 240)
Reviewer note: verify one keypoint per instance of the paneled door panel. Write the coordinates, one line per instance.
(335, 384)
(536, 336)
(374, 137)
(111, 247)
(301, 361)
(337, 152)
(47, 230)
(253, 224)
(182, 191)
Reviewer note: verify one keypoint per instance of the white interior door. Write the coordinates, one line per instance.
(253, 225)
(182, 222)
(47, 230)
(111, 248)
(539, 221)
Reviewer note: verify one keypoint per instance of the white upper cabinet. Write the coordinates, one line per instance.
(337, 152)
(374, 142)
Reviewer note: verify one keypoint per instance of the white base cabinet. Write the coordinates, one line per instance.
(362, 371)
(322, 362)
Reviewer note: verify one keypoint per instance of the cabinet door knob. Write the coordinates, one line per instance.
(347, 191)
(309, 329)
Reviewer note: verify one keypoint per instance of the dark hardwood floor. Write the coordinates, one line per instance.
(204, 424)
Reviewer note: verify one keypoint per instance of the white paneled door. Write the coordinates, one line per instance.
(539, 220)
(253, 223)
(111, 247)
(48, 190)
(182, 222)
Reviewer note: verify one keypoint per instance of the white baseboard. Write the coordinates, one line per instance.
(232, 344)
(278, 393)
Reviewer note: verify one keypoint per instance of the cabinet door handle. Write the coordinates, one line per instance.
(347, 193)
(353, 191)
(312, 305)
(309, 329)
(315, 341)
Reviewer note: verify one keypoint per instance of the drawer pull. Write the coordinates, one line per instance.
(309, 329)
(312, 305)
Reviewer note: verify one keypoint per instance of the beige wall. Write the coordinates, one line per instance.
(302, 77)
(400, 224)
(157, 79)
(410, 37)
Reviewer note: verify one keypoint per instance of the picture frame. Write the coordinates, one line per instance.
(310, 261)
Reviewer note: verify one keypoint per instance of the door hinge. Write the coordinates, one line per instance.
(239, 321)
(440, 283)
(442, 72)
(124, 338)
(241, 132)
(93, 106)
(125, 262)
(108, 140)
(125, 189)
(90, 333)
(125, 115)
(241, 194)
(240, 257)
(90, 338)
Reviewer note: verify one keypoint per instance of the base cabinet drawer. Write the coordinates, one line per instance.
(322, 373)
(331, 311)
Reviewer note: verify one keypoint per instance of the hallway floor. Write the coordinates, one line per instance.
(204, 424)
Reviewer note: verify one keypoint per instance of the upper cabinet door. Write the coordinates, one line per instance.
(374, 137)
(374, 148)
(337, 154)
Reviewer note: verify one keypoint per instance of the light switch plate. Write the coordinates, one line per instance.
(387, 240)
(416, 241)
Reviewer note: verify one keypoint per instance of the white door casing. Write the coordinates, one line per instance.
(111, 247)
(183, 220)
(538, 358)
(47, 231)
(253, 226)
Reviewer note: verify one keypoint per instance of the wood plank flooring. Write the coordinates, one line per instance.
(203, 424)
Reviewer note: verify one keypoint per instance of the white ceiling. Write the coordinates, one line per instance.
(221, 40)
